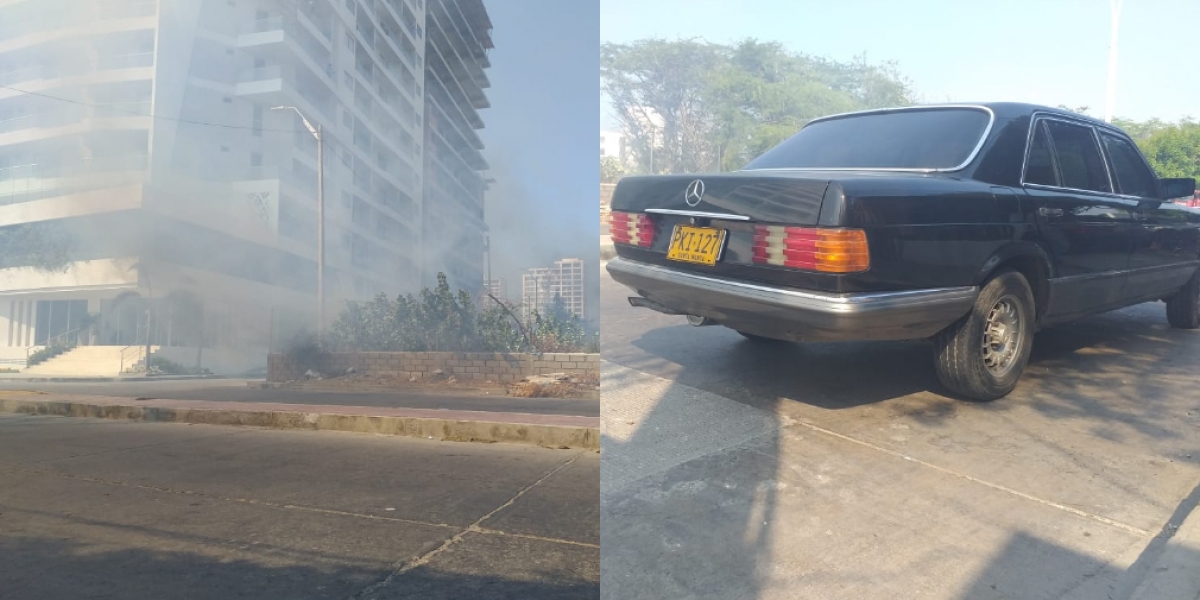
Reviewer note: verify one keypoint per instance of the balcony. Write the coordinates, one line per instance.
(135, 60)
(26, 74)
(29, 182)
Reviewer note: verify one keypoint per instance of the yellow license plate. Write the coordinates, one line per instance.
(701, 245)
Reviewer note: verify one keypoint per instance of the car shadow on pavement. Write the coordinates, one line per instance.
(39, 567)
(1076, 363)
(705, 526)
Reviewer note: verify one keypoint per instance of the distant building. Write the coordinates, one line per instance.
(496, 288)
(543, 287)
(612, 143)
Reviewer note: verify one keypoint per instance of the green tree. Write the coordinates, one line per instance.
(698, 106)
(1174, 151)
(611, 169)
(44, 246)
(1140, 130)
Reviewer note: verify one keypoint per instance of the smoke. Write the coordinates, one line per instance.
(541, 139)
(155, 148)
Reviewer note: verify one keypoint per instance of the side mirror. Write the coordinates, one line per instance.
(1181, 187)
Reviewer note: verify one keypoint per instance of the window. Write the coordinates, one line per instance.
(348, 79)
(1079, 164)
(256, 159)
(1040, 166)
(257, 121)
(1133, 177)
(938, 138)
(349, 37)
(347, 119)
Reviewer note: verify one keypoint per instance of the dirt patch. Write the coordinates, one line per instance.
(556, 385)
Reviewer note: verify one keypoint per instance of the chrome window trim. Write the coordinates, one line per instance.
(1038, 116)
(983, 138)
(697, 213)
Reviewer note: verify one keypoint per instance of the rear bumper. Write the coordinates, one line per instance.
(791, 314)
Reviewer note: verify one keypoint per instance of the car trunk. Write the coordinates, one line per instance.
(768, 198)
(735, 202)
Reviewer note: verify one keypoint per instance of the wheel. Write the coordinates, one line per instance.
(982, 355)
(1183, 309)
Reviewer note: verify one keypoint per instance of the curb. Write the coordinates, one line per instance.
(69, 379)
(570, 432)
(607, 250)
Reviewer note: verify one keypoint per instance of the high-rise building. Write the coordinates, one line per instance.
(496, 288)
(457, 40)
(161, 147)
(559, 285)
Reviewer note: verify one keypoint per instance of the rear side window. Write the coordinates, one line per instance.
(930, 138)
(1080, 166)
(1133, 177)
(1040, 167)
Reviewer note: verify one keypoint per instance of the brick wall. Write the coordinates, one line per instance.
(482, 366)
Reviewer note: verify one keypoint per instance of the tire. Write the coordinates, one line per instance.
(1183, 309)
(982, 372)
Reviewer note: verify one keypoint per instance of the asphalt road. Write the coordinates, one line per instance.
(736, 469)
(238, 390)
(106, 509)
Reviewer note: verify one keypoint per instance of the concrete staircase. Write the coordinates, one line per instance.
(89, 361)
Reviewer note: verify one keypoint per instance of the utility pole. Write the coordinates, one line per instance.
(320, 234)
(316, 132)
(1115, 23)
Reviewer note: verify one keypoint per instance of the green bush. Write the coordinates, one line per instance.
(440, 320)
(45, 354)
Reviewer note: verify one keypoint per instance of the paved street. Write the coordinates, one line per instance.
(238, 390)
(759, 471)
(107, 509)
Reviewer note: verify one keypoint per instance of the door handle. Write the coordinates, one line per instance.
(1050, 212)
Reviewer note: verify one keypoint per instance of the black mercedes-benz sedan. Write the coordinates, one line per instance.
(972, 225)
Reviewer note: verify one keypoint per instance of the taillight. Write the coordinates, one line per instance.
(813, 249)
(635, 229)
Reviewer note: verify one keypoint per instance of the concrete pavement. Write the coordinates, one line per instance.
(100, 508)
(740, 470)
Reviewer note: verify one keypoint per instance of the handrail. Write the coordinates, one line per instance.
(52, 342)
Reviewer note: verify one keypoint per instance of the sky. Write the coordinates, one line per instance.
(1042, 51)
(540, 135)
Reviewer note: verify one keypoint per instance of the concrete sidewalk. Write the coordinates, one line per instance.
(548, 430)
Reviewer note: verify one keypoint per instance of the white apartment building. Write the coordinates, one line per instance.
(144, 132)
(543, 287)
(612, 144)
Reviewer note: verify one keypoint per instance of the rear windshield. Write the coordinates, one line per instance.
(935, 138)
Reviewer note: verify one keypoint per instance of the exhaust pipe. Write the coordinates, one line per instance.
(698, 321)
(640, 302)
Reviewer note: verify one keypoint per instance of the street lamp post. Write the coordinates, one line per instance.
(1114, 7)
(316, 132)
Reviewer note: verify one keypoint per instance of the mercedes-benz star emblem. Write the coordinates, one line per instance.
(694, 193)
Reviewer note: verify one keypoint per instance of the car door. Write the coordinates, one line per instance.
(1165, 246)
(1088, 229)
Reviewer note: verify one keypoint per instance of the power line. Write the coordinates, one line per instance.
(158, 117)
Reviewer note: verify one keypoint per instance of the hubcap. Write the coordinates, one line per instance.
(1002, 335)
